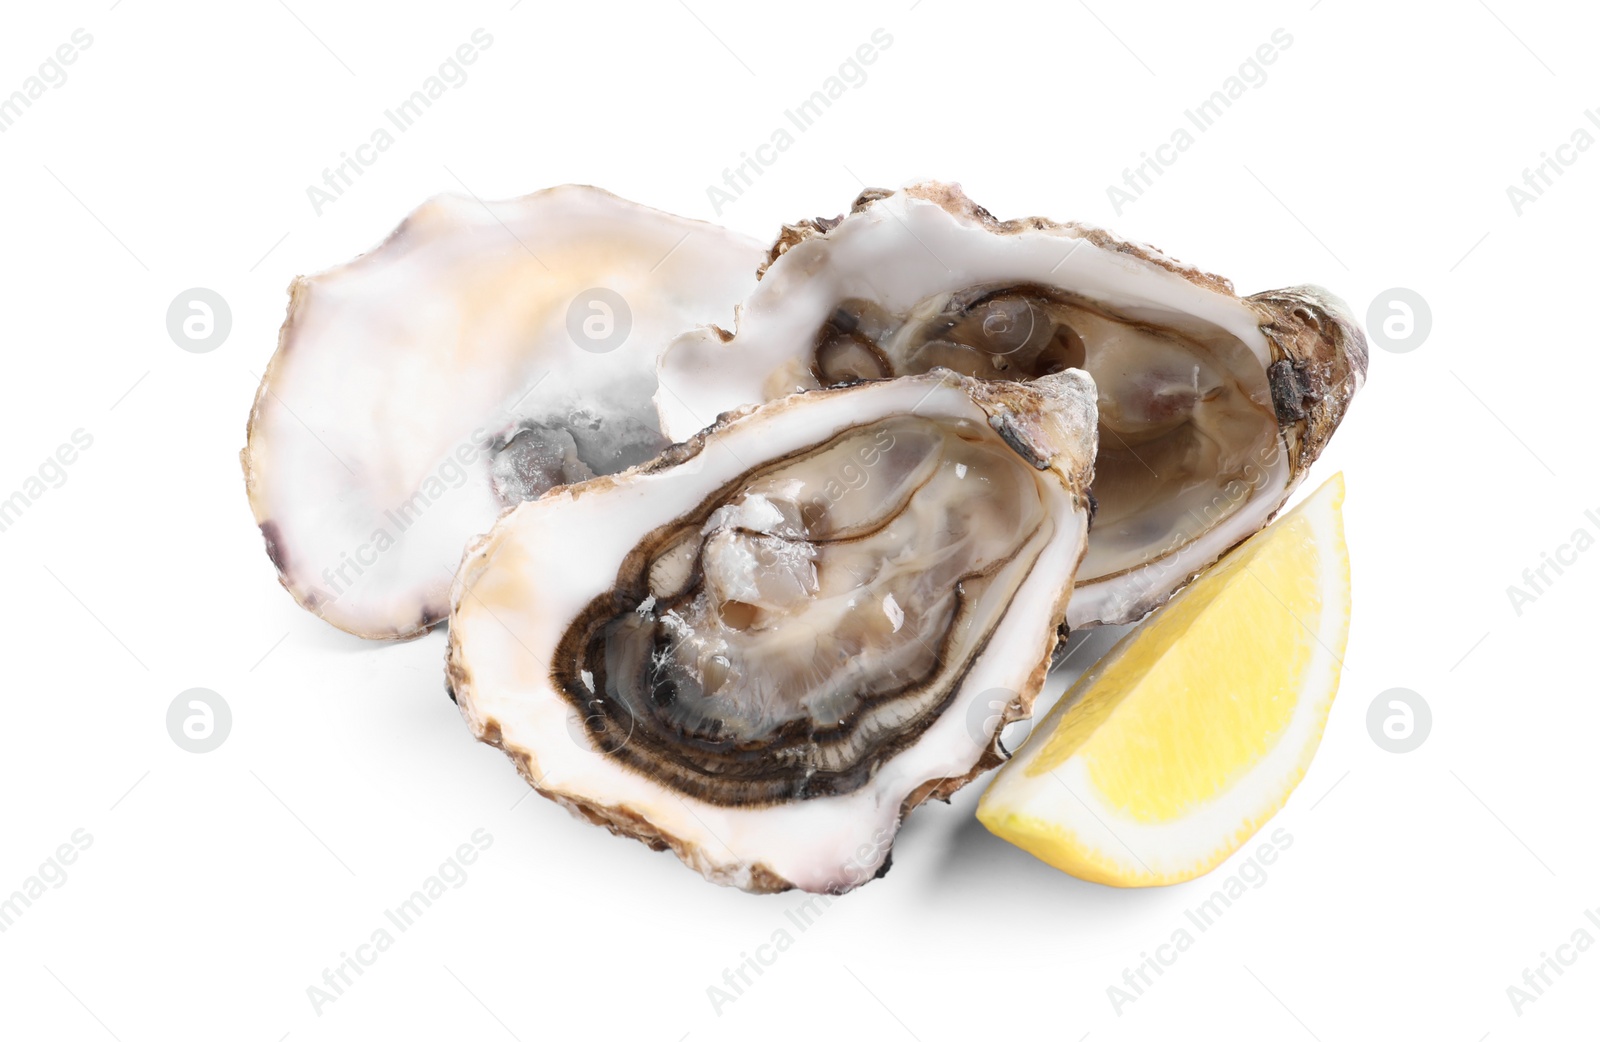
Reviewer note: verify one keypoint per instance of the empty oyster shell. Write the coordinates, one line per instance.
(764, 647)
(1211, 407)
(482, 354)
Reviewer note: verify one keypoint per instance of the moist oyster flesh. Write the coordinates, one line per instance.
(1211, 407)
(420, 389)
(761, 649)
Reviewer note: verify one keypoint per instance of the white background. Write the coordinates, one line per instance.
(219, 886)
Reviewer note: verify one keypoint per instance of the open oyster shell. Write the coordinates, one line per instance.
(1212, 407)
(763, 648)
(483, 353)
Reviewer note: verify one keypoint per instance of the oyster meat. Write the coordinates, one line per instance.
(763, 648)
(1211, 406)
(482, 354)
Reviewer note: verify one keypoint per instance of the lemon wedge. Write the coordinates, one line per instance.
(1169, 754)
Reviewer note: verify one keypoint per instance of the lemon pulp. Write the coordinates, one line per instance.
(1173, 750)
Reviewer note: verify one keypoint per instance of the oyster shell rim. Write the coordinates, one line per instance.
(624, 820)
(1312, 350)
(299, 290)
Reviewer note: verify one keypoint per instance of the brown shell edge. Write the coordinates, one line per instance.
(618, 820)
(1010, 400)
(954, 201)
(299, 294)
(1319, 362)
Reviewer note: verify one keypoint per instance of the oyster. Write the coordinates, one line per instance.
(480, 355)
(762, 648)
(1212, 407)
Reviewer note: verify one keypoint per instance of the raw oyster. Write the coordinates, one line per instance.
(480, 355)
(764, 647)
(1211, 407)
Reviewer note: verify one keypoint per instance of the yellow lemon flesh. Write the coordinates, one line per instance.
(1172, 751)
